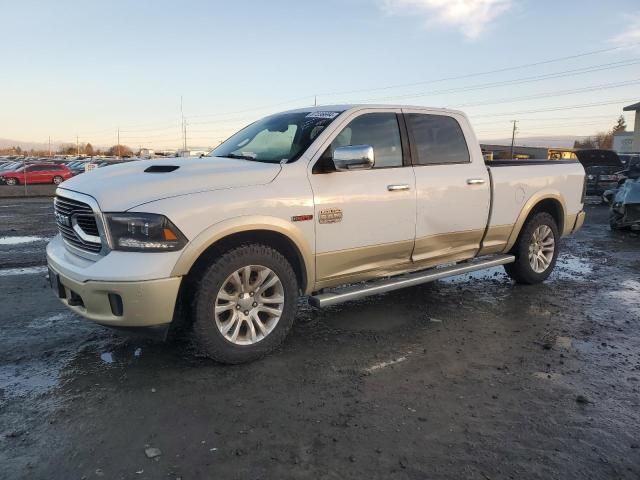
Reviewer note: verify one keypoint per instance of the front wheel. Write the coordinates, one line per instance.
(11, 181)
(536, 250)
(244, 304)
(615, 220)
(57, 180)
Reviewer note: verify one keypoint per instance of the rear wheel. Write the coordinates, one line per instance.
(57, 180)
(536, 250)
(245, 304)
(11, 181)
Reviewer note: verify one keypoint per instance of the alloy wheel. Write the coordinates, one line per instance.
(541, 248)
(249, 305)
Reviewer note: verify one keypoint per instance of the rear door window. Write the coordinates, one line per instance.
(437, 139)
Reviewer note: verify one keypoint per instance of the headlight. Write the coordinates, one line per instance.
(144, 232)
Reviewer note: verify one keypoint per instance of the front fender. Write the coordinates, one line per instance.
(213, 234)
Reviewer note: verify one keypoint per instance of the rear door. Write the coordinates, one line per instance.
(30, 174)
(452, 186)
(365, 219)
(41, 174)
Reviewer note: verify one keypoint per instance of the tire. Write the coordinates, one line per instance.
(57, 180)
(614, 220)
(522, 270)
(11, 181)
(222, 287)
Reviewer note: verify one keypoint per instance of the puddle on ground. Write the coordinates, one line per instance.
(564, 342)
(50, 321)
(10, 272)
(106, 357)
(628, 292)
(18, 240)
(16, 380)
(493, 273)
(570, 267)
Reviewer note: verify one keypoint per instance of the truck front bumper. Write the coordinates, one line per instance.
(116, 303)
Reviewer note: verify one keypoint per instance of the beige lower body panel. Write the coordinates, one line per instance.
(368, 263)
(353, 265)
(446, 247)
(148, 303)
(496, 239)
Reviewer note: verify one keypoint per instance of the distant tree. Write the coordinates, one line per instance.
(604, 140)
(587, 143)
(620, 126)
(601, 140)
(88, 150)
(68, 149)
(121, 150)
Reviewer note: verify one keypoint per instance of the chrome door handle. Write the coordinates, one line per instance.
(475, 181)
(397, 188)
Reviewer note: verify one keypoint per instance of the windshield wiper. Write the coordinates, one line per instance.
(239, 157)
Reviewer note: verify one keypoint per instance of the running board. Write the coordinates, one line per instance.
(395, 283)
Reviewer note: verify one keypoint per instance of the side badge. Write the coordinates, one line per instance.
(331, 215)
(301, 218)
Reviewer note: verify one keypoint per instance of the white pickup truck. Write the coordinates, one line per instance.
(299, 203)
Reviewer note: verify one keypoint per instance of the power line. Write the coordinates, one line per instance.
(581, 117)
(555, 109)
(487, 72)
(516, 81)
(557, 93)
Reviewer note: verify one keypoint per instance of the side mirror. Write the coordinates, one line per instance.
(353, 157)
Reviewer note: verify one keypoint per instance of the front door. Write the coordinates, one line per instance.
(365, 219)
(453, 187)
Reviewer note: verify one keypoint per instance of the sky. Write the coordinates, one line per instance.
(88, 68)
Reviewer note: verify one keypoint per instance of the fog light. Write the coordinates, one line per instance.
(115, 301)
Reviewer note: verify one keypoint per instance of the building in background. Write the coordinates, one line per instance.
(193, 152)
(503, 152)
(635, 144)
(623, 142)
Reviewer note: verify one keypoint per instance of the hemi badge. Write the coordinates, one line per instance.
(301, 218)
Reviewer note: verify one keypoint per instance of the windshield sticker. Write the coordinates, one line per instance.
(329, 115)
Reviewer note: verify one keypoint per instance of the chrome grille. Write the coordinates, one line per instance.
(73, 214)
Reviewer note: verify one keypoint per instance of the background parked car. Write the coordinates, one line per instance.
(37, 173)
(77, 167)
(603, 169)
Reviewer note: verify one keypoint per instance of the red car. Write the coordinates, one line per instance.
(37, 173)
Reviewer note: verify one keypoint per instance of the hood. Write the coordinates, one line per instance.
(599, 158)
(121, 187)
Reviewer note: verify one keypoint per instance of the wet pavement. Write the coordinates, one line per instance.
(470, 377)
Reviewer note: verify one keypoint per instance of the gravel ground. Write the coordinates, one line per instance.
(469, 378)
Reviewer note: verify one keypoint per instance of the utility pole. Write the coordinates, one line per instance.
(184, 129)
(118, 143)
(77, 146)
(315, 101)
(49, 146)
(513, 136)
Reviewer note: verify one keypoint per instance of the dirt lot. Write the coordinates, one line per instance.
(469, 378)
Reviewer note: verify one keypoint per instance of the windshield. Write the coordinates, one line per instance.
(279, 137)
